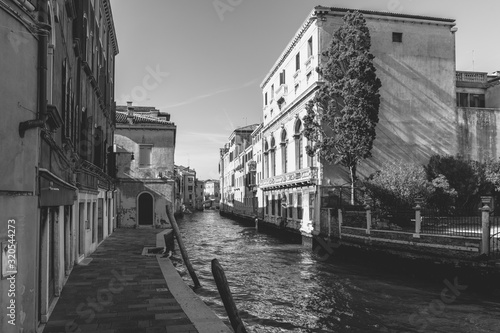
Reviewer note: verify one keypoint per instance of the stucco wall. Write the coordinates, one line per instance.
(478, 132)
(162, 193)
(134, 180)
(18, 93)
(417, 111)
(23, 210)
(162, 157)
(493, 96)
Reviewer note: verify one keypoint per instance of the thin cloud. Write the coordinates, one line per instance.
(204, 96)
(205, 137)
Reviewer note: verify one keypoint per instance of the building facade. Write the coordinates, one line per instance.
(58, 60)
(212, 193)
(186, 179)
(237, 173)
(199, 194)
(144, 147)
(415, 61)
(478, 105)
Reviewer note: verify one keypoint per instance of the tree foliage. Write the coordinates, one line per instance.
(341, 118)
(452, 184)
(399, 184)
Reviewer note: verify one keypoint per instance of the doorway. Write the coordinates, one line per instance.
(100, 217)
(145, 213)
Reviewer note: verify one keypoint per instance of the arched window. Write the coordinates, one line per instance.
(266, 160)
(299, 149)
(284, 153)
(273, 157)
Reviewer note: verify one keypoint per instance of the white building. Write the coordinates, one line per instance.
(415, 61)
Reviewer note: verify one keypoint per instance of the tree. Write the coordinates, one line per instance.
(341, 118)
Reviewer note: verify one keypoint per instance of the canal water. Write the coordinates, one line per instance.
(279, 286)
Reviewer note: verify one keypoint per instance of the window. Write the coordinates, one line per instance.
(308, 77)
(299, 206)
(299, 154)
(284, 155)
(310, 159)
(267, 205)
(397, 37)
(282, 77)
(190, 197)
(290, 205)
(310, 47)
(272, 206)
(266, 160)
(145, 156)
(296, 88)
(297, 61)
(272, 91)
(471, 100)
(273, 157)
(190, 188)
(477, 100)
(311, 206)
(278, 202)
(265, 99)
(190, 179)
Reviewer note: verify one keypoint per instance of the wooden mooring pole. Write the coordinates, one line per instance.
(227, 297)
(185, 257)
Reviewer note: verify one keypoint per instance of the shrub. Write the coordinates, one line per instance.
(399, 184)
(470, 179)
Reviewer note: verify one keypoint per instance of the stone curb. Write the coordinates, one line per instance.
(202, 317)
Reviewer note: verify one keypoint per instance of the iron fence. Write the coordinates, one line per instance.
(467, 224)
(395, 218)
(495, 237)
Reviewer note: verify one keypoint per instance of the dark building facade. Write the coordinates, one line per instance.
(57, 127)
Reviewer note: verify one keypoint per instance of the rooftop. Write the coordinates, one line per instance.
(123, 118)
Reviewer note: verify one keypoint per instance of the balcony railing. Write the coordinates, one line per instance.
(281, 91)
(308, 63)
(480, 77)
(306, 175)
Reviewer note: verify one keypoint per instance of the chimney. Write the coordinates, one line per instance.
(130, 113)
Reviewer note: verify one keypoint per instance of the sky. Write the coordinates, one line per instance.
(203, 61)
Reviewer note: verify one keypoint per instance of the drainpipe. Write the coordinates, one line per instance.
(44, 29)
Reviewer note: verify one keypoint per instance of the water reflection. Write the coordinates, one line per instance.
(280, 287)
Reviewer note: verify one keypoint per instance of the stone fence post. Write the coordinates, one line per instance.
(485, 220)
(339, 212)
(418, 219)
(368, 202)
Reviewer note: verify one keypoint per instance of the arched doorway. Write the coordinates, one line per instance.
(146, 210)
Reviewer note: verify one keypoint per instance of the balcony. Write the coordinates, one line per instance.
(308, 63)
(304, 176)
(480, 77)
(471, 79)
(281, 92)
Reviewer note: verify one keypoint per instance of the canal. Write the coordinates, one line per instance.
(280, 286)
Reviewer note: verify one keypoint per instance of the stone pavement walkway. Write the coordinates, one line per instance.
(119, 291)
